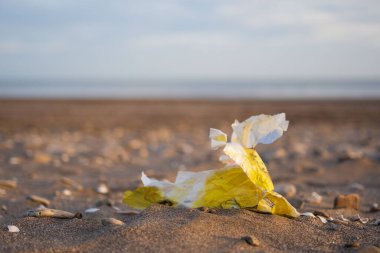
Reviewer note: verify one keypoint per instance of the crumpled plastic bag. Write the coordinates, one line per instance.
(243, 182)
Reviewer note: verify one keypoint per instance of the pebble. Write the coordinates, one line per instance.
(8, 183)
(13, 229)
(2, 192)
(347, 201)
(66, 192)
(39, 199)
(4, 208)
(286, 190)
(251, 240)
(15, 160)
(358, 218)
(112, 221)
(314, 198)
(376, 222)
(374, 207)
(102, 189)
(369, 249)
(321, 213)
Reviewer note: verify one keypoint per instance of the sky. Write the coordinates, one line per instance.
(156, 39)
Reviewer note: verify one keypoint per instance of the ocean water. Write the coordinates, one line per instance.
(192, 89)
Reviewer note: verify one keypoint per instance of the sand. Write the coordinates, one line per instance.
(331, 148)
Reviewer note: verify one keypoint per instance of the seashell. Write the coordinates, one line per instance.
(308, 214)
(91, 210)
(53, 213)
(39, 199)
(102, 189)
(8, 183)
(112, 221)
(323, 219)
(13, 229)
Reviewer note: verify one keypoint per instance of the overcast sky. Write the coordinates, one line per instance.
(190, 39)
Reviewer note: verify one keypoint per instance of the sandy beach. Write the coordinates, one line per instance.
(81, 154)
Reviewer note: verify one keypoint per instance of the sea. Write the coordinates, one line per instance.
(190, 89)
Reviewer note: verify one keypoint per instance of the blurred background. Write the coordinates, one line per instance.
(190, 49)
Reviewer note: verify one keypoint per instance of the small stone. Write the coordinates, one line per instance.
(376, 222)
(13, 229)
(321, 213)
(314, 198)
(286, 190)
(39, 199)
(369, 249)
(112, 221)
(374, 208)
(352, 245)
(4, 208)
(15, 160)
(66, 192)
(251, 240)
(347, 201)
(102, 189)
(206, 209)
(3, 192)
(350, 154)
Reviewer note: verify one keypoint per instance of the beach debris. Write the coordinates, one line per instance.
(52, 213)
(286, 190)
(358, 218)
(374, 208)
(102, 189)
(8, 183)
(251, 240)
(66, 192)
(369, 249)
(341, 217)
(352, 245)
(350, 153)
(42, 158)
(246, 184)
(15, 160)
(356, 187)
(39, 199)
(321, 213)
(91, 210)
(112, 221)
(307, 214)
(347, 201)
(13, 229)
(323, 219)
(338, 221)
(314, 198)
(70, 182)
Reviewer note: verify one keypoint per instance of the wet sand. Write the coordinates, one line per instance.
(331, 148)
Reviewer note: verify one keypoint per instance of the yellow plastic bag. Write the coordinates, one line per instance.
(243, 183)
